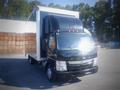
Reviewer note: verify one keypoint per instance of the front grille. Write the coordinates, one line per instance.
(83, 57)
(80, 66)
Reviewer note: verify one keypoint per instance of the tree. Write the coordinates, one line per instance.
(75, 7)
(86, 14)
(18, 9)
(51, 5)
(1, 7)
(69, 7)
(102, 14)
(14, 9)
(55, 5)
(35, 3)
(116, 20)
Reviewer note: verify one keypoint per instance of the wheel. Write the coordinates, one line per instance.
(50, 73)
(30, 59)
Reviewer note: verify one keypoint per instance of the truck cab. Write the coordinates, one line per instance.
(69, 50)
(62, 45)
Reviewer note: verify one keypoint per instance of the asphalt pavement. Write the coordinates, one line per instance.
(18, 74)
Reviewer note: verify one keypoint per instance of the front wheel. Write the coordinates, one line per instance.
(50, 73)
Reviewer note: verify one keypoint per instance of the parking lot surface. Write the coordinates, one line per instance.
(18, 74)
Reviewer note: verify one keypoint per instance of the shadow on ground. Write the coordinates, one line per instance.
(19, 73)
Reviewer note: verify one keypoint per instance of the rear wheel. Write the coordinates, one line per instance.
(30, 60)
(50, 73)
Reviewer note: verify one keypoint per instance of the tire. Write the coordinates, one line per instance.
(30, 60)
(50, 73)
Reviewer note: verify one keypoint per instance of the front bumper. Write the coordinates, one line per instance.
(80, 73)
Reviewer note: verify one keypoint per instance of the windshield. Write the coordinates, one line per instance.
(66, 24)
(71, 41)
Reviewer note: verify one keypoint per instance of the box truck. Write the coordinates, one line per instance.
(62, 45)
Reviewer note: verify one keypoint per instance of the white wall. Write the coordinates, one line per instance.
(17, 26)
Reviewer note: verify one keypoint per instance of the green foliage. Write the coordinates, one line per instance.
(35, 3)
(106, 18)
(102, 15)
(55, 5)
(15, 9)
(18, 9)
(86, 13)
(1, 7)
(116, 20)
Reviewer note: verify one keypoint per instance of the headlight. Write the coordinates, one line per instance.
(61, 66)
(86, 45)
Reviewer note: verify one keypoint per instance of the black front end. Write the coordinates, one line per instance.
(78, 71)
(78, 65)
(73, 51)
